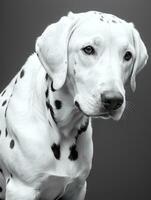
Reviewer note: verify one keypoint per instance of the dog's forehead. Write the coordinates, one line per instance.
(107, 25)
(102, 17)
(107, 18)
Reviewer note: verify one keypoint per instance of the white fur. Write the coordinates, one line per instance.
(76, 77)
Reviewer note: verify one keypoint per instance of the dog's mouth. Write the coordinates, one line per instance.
(105, 114)
(79, 108)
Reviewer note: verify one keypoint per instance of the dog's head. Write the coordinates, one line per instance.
(95, 54)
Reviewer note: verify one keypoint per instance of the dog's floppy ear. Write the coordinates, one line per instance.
(141, 56)
(51, 48)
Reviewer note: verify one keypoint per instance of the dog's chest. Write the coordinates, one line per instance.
(65, 171)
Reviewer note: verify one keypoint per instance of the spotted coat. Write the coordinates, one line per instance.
(30, 136)
(46, 144)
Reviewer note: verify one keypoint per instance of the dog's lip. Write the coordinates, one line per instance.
(79, 108)
(105, 114)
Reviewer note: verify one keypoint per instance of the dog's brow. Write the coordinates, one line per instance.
(97, 40)
(125, 46)
(124, 43)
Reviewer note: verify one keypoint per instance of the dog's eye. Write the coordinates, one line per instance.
(127, 56)
(89, 50)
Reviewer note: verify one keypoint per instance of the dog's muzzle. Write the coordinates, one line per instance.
(110, 104)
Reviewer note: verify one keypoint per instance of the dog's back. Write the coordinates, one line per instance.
(4, 101)
(6, 143)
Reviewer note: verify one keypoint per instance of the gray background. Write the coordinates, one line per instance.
(122, 150)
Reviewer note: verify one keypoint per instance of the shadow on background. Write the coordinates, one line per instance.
(122, 150)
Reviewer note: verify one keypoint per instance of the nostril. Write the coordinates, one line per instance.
(117, 104)
(120, 101)
(108, 104)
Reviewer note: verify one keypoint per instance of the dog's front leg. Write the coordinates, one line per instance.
(76, 191)
(16, 190)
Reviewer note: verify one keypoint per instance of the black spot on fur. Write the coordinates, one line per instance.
(49, 123)
(58, 104)
(101, 19)
(1, 171)
(6, 111)
(11, 175)
(3, 92)
(47, 92)
(100, 13)
(1, 189)
(37, 54)
(113, 21)
(73, 153)
(52, 114)
(4, 102)
(22, 73)
(84, 127)
(0, 132)
(46, 76)
(51, 111)
(12, 143)
(6, 132)
(52, 88)
(47, 104)
(56, 150)
(16, 81)
(8, 180)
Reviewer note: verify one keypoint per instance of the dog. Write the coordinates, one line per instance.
(78, 71)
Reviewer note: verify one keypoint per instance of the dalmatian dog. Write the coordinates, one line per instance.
(78, 71)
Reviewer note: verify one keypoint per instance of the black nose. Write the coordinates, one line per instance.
(112, 100)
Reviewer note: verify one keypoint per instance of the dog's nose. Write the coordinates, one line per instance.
(112, 100)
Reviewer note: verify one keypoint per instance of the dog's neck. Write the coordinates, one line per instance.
(60, 105)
